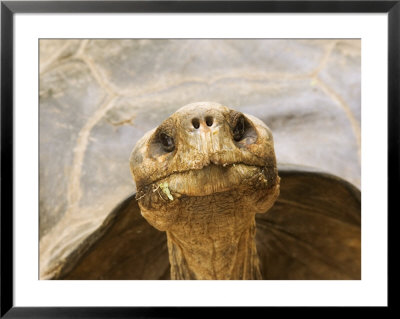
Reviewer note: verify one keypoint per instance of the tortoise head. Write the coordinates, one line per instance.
(204, 155)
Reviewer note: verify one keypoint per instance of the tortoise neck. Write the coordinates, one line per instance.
(212, 256)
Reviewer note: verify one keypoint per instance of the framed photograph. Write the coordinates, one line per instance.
(163, 155)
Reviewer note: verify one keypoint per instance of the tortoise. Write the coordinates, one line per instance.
(99, 96)
(217, 206)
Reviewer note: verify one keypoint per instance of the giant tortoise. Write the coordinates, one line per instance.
(201, 177)
(99, 97)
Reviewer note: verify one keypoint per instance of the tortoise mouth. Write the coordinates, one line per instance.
(209, 180)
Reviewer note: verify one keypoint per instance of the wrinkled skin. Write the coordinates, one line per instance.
(201, 176)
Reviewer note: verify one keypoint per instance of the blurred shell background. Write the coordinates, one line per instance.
(98, 97)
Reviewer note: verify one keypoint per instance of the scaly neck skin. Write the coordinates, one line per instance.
(225, 249)
(212, 236)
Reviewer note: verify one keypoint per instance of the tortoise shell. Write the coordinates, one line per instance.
(312, 232)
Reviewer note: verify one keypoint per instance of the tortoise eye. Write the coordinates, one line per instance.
(167, 142)
(238, 130)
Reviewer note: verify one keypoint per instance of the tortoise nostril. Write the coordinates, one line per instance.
(209, 121)
(196, 123)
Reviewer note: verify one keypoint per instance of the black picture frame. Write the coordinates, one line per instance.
(9, 8)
